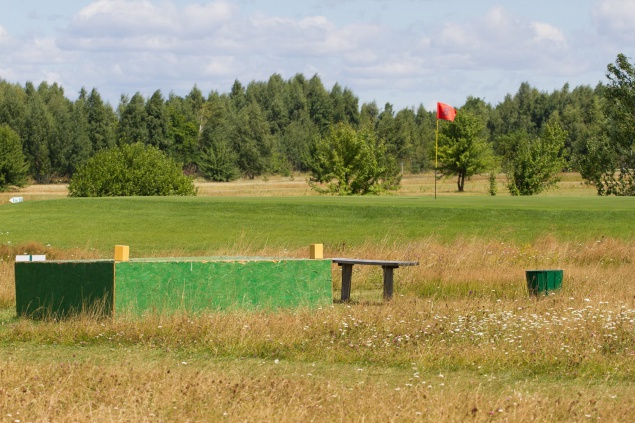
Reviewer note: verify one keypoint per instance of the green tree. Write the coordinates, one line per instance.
(274, 104)
(183, 131)
(157, 122)
(351, 107)
(532, 164)
(585, 122)
(319, 103)
(351, 162)
(369, 114)
(218, 160)
(423, 138)
(13, 106)
(80, 148)
(463, 151)
(59, 139)
(615, 173)
(13, 168)
(251, 140)
(237, 95)
(296, 141)
(195, 102)
(130, 170)
(36, 134)
(405, 135)
(102, 122)
(297, 104)
(132, 120)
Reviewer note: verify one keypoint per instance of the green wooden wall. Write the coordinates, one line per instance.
(59, 289)
(168, 286)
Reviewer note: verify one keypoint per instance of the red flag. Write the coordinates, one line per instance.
(445, 112)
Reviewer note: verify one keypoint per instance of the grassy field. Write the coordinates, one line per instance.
(200, 224)
(461, 341)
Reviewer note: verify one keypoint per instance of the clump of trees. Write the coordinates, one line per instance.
(130, 170)
(13, 168)
(278, 127)
(610, 163)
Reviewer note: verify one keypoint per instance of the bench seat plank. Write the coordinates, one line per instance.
(386, 263)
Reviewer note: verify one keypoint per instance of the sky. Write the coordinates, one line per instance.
(404, 52)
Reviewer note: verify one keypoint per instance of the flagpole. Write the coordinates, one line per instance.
(436, 159)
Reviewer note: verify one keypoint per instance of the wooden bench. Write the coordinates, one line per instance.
(388, 266)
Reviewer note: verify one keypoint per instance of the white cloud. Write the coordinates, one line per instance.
(198, 18)
(123, 17)
(500, 40)
(4, 36)
(615, 19)
(548, 33)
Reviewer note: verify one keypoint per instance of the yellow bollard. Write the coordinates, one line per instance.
(316, 251)
(122, 253)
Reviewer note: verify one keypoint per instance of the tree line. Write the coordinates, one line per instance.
(275, 127)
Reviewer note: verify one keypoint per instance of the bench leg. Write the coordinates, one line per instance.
(388, 282)
(347, 275)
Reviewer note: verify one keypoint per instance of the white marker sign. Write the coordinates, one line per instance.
(16, 200)
(28, 257)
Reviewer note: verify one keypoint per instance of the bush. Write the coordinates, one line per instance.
(130, 169)
(13, 168)
(350, 162)
(532, 164)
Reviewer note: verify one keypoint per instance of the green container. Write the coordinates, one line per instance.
(542, 281)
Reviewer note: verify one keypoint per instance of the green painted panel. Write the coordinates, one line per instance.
(167, 286)
(543, 281)
(60, 289)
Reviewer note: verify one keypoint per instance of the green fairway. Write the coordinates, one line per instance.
(204, 224)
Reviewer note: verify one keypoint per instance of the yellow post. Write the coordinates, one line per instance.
(316, 251)
(122, 253)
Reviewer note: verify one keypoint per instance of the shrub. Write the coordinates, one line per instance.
(533, 164)
(130, 169)
(351, 162)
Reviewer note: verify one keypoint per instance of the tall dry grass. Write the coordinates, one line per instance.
(461, 341)
(173, 388)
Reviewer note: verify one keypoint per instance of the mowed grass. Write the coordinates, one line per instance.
(206, 224)
(461, 341)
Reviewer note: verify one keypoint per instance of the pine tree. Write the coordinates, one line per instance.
(13, 168)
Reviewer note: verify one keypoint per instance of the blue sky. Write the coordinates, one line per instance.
(406, 52)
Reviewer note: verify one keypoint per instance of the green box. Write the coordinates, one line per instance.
(542, 281)
(163, 286)
(62, 288)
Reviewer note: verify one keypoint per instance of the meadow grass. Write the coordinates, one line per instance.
(461, 341)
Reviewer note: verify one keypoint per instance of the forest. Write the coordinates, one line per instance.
(272, 127)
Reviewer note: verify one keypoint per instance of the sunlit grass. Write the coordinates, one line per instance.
(461, 341)
(198, 225)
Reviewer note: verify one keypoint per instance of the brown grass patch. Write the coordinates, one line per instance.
(461, 341)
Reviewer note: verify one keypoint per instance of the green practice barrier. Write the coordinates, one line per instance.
(202, 285)
(543, 281)
(59, 289)
(169, 285)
